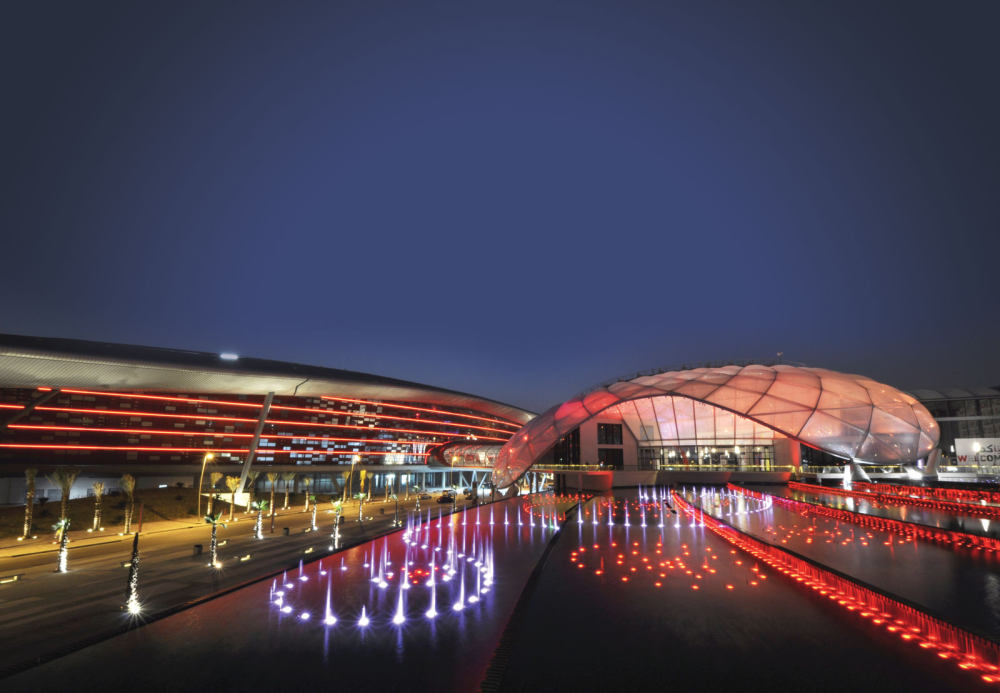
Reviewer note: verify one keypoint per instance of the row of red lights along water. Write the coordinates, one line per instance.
(900, 527)
(968, 651)
(967, 509)
(958, 495)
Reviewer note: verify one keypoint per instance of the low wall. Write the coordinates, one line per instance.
(606, 480)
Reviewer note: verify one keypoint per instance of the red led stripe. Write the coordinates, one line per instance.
(199, 417)
(150, 431)
(331, 412)
(163, 398)
(260, 451)
(432, 411)
(882, 524)
(947, 641)
(958, 495)
(328, 412)
(990, 511)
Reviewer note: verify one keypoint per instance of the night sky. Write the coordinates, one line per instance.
(514, 199)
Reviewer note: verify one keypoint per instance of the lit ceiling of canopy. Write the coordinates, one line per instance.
(849, 416)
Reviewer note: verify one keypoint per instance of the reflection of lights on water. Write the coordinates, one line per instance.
(446, 563)
(400, 616)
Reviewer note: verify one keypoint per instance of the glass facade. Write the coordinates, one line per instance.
(609, 434)
(760, 457)
(96, 427)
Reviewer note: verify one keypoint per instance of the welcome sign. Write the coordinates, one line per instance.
(977, 451)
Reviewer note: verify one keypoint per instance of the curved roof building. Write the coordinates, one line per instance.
(848, 416)
(84, 403)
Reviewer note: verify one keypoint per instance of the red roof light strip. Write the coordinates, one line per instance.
(515, 426)
(276, 422)
(150, 431)
(238, 451)
(328, 412)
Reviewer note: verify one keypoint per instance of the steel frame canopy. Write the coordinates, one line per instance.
(848, 416)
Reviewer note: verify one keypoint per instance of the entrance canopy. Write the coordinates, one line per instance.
(849, 416)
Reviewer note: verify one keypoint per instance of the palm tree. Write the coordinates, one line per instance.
(213, 481)
(306, 482)
(258, 528)
(287, 477)
(251, 486)
(98, 493)
(62, 532)
(63, 478)
(213, 548)
(29, 500)
(272, 477)
(128, 486)
(361, 503)
(338, 507)
(233, 484)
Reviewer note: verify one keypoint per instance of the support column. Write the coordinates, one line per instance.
(264, 410)
(30, 407)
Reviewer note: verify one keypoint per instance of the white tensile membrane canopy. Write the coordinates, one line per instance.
(849, 416)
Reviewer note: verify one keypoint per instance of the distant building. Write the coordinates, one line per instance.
(972, 415)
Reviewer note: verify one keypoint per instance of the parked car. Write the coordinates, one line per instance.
(446, 497)
(424, 496)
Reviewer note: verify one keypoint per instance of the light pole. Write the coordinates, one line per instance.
(201, 480)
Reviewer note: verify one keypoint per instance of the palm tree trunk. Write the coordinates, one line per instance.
(285, 507)
(29, 509)
(214, 546)
(232, 506)
(271, 504)
(97, 512)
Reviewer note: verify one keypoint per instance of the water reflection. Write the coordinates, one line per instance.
(897, 511)
(408, 576)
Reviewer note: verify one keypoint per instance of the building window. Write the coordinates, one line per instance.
(612, 458)
(609, 434)
(567, 450)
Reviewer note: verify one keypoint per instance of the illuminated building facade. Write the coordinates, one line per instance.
(66, 402)
(741, 417)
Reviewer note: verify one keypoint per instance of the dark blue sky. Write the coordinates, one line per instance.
(516, 199)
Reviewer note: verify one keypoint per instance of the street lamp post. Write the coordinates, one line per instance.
(201, 480)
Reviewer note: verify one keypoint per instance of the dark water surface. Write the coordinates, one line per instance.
(614, 608)
(960, 585)
(895, 511)
(592, 631)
